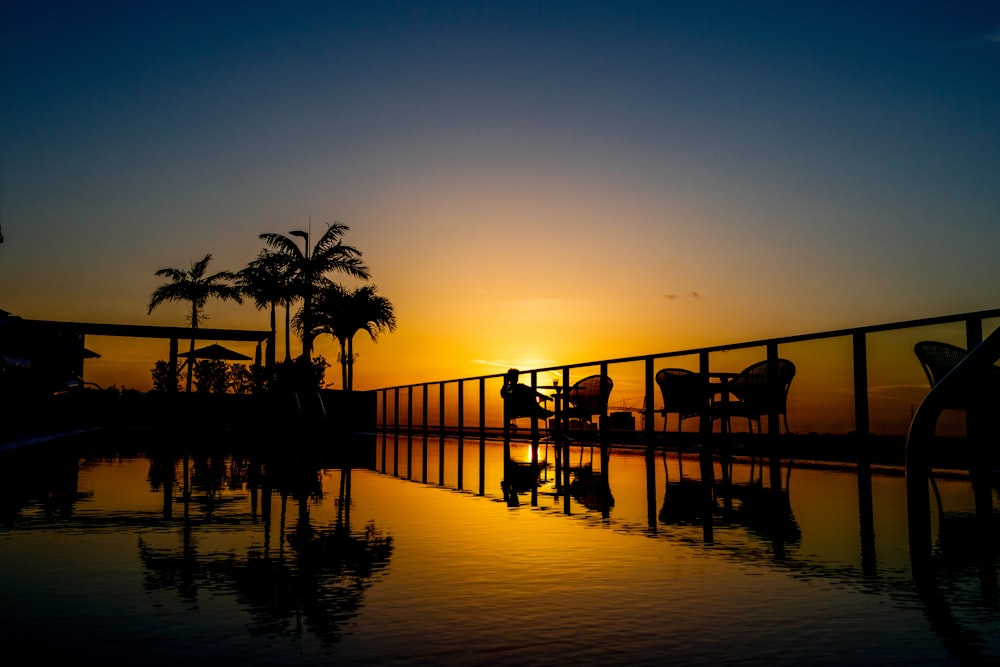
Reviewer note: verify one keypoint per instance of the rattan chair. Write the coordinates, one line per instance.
(937, 359)
(588, 397)
(757, 394)
(683, 394)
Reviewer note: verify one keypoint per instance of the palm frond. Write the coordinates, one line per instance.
(282, 244)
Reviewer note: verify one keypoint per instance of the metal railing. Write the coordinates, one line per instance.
(452, 412)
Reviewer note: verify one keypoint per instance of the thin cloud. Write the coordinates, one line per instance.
(987, 41)
(534, 363)
(688, 295)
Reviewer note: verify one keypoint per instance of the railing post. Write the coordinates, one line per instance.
(395, 439)
(773, 425)
(705, 421)
(649, 433)
(861, 419)
(385, 425)
(973, 415)
(482, 436)
(441, 435)
(423, 452)
(973, 332)
(409, 432)
(862, 430)
(707, 456)
(461, 432)
(603, 424)
(649, 404)
(564, 489)
(535, 437)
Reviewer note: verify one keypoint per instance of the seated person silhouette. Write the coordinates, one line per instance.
(520, 400)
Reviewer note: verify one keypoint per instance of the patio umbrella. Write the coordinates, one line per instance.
(215, 351)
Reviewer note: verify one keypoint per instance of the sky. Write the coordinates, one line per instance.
(530, 183)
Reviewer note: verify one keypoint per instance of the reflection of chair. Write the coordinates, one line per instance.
(683, 394)
(588, 397)
(757, 394)
(592, 489)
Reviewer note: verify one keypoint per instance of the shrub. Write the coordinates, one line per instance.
(161, 377)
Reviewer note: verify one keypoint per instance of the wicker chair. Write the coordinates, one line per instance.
(937, 359)
(757, 394)
(588, 397)
(683, 394)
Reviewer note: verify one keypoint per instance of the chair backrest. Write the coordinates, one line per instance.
(682, 391)
(755, 388)
(590, 395)
(937, 358)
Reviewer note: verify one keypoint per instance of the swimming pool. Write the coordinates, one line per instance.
(139, 551)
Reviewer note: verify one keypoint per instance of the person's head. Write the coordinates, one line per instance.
(511, 376)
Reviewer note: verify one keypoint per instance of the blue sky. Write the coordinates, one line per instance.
(529, 182)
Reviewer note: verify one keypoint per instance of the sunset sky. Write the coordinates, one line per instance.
(531, 183)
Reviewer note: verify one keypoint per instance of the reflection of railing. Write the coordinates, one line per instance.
(753, 523)
(453, 415)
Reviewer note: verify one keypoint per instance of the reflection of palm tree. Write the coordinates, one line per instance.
(317, 590)
(343, 313)
(162, 475)
(194, 286)
(266, 281)
(309, 267)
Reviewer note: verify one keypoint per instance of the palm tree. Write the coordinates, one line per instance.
(310, 268)
(343, 313)
(194, 286)
(266, 280)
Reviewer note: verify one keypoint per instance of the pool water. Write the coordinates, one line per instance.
(132, 552)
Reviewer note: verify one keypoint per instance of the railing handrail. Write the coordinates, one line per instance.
(781, 340)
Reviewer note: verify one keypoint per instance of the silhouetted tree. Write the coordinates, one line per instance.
(343, 313)
(194, 286)
(267, 280)
(240, 378)
(310, 266)
(211, 376)
(163, 379)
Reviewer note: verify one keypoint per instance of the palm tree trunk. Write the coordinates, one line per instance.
(269, 361)
(190, 361)
(343, 362)
(350, 364)
(288, 333)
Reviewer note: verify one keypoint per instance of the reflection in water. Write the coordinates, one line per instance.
(313, 583)
(956, 575)
(590, 488)
(240, 554)
(957, 582)
(315, 589)
(761, 509)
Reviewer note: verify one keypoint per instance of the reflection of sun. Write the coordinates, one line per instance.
(527, 453)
